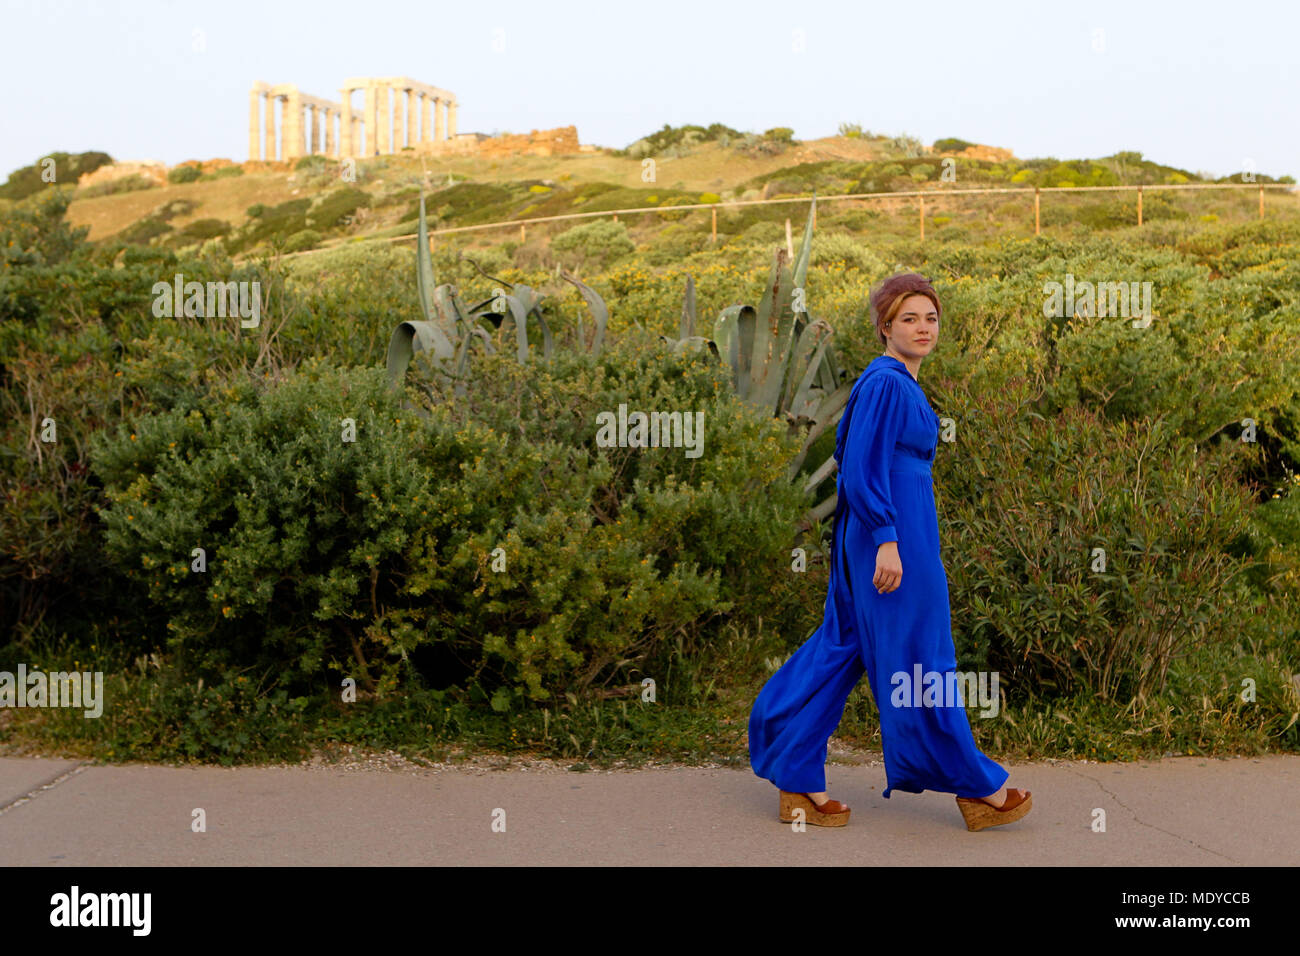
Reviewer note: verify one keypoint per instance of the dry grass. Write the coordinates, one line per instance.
(709, 168)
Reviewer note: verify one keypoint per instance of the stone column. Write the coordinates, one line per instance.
(425, 103)
(293, 134)
(451, 120)
(329, 131)
(345, 124)
(371, 145)
(437, 119)
(385, 119)
(411, 119)
(313, 135)
(255, 125)
(398, 131)
(270, 127)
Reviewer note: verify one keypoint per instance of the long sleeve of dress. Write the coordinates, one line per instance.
(873, 431)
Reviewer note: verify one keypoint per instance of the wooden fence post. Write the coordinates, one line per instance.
(1035, 210)
(1261, 202)
(1139, 205)
(521, 232)
(922, 198)
(714, 236)
(789, 240)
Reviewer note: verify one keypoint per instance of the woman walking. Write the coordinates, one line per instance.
(886, 608)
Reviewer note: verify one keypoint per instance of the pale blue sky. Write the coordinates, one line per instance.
(1193, 84)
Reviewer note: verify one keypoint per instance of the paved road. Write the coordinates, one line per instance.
(1173, 812)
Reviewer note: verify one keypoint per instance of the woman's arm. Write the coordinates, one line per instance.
(874, 428)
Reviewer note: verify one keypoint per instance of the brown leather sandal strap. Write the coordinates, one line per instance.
(1014, 799)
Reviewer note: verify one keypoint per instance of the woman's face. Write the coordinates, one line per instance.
(916, 329)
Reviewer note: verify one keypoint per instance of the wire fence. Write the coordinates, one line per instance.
(921, 195)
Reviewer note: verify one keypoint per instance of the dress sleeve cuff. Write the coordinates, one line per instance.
(883, 534)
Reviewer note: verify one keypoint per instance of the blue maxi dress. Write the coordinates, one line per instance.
(884, 445)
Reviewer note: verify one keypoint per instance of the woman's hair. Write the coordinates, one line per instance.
(887, 298)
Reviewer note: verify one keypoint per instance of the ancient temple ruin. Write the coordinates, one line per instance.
(388, 122)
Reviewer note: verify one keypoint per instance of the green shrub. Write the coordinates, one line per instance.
(322, 554)
(200, 230)
(951, 144)
(67, 169)
(277, 223)
(303, 240)
(184, 174)
(594, 242)
(142, 231)
(337, 209)
(37, 234)
(782, 134)
(256, 210)
(1041, 609)
(679, 138)
(838, 251)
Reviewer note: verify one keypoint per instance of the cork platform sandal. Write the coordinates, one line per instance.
(980, 815)
(832, 813)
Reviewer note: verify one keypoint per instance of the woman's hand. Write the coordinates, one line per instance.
(889, 569)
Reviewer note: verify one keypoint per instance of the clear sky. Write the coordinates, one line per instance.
(1204, 86)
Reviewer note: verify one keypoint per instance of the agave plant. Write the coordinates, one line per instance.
(688, 341)
(449, 327)
(781, 360)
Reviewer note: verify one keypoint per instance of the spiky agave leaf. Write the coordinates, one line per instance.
(530, 301)
(599, 311)
(802, 258)
(411, 337)
(424, 264)
(693, 343)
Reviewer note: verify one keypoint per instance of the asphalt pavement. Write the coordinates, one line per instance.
(1172, 812)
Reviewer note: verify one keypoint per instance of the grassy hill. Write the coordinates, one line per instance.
(252, 210)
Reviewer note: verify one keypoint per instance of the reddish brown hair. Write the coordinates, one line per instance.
(887, 298)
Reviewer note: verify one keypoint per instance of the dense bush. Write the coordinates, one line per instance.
(275, 224)
(594, 242)
(1032, 503)
(201, 229)
(951, 144)
(184, 174)
(355, 556)
(66, 168)
(300, 241)
(337, 208)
